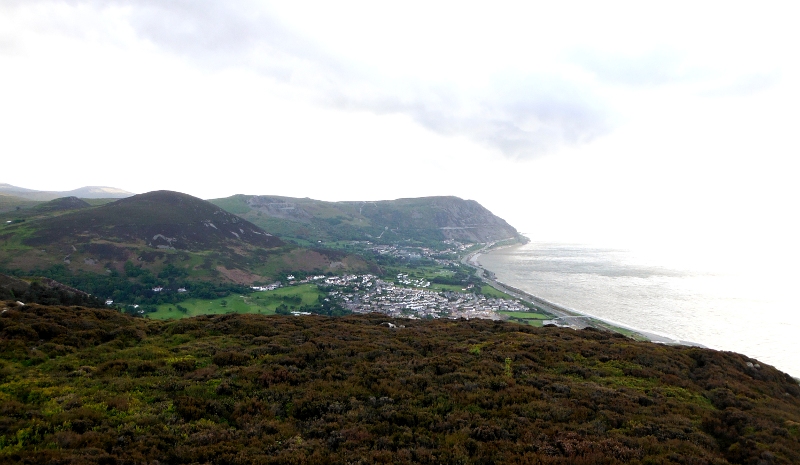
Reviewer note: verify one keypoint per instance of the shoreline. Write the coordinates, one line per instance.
(564, 316)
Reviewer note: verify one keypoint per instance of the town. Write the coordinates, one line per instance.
(444, 253)
(369, 294)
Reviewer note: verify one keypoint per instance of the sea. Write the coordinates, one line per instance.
(721, 309)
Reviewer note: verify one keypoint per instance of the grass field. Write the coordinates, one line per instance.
(527, 315)
(447, 287)
(489, 291)
(419, 272)
(263, 303)
(528, 318)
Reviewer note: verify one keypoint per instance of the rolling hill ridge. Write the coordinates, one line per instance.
(157, 230)
(161, 219)
(87, 192)
(424, 219)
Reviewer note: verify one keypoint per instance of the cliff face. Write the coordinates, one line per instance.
(418, 219)
(454, 218)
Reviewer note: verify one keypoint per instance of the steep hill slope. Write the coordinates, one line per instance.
(161, 219)
(425, 219)
(93, 386)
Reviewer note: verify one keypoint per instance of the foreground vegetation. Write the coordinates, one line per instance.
(84, 385)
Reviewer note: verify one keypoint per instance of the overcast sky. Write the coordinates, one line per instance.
(606, 122)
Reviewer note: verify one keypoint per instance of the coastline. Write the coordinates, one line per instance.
(563, 316)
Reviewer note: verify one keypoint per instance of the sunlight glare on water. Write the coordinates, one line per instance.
(744, 309)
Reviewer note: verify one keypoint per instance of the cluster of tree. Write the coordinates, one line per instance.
(45, 292)
(283, 309)
(94, 386)
(324, 306)
(292, 299)
(137, 283)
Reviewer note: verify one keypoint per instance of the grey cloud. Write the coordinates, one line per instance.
(523, 118)
(530, 122)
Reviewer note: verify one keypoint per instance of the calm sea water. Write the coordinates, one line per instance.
(721, 310)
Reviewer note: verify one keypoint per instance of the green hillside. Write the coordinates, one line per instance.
(41, 210)
(159, 239)
(425, 220)
(10, 203)
(93, 386)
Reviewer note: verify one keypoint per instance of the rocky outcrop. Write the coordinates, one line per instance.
(454, 218)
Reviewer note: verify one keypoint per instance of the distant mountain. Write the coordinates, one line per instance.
(88, 192)
(14, 203)
(156, 231)
(423, 219)
(98, 192)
